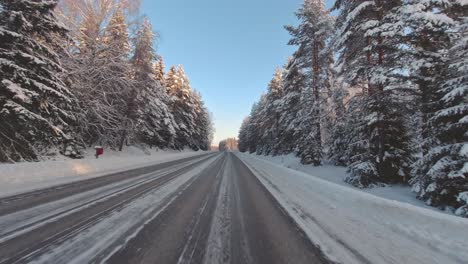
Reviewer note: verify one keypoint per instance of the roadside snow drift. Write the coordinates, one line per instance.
(28, 176)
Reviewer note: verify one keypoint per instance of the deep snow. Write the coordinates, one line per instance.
(352, 226)
(28, 176)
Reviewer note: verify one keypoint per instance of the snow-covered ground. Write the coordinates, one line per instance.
(337, 175)
(352, 226)
(27, 176)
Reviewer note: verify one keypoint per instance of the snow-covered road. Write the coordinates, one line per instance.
(221, 208)
(203, 209)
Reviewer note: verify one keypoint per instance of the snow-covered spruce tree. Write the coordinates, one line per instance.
(338, 144)
(244, 136)
(156, 125)
(272, 112)
(194, 122)
(313, 58)
(428, 26)
(182, 107)
(442, 175)
(309, 148)
(262, 130)
(294, 83)
(172, 80)
(172, 84)
(159, 70)
(245, 133)
(382, 153)
(254, 132)
(195, 108)
(201, 135)
(261, 126)
(36, 109)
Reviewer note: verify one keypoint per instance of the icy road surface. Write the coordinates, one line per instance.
(221, 208)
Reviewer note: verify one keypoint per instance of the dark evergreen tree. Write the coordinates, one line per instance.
(294, 83)
(383, 155)
(427, 25)
(312, 36)
(254, 131)
(272, 109)
(442, 173)
(159, 70)
(203, 124)
(244, 136)
(36, 109)
(192, 118)
(339, 137)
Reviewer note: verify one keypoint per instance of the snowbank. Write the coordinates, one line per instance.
(337, 175)
(352, 226)
(27, 176)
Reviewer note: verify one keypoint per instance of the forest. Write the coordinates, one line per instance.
(78, 73)
(380, 87)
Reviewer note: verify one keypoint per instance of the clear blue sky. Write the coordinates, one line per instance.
(229, 49)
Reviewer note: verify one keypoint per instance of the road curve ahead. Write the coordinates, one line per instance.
(209, 209)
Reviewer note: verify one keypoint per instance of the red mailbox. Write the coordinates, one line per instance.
(99, 151)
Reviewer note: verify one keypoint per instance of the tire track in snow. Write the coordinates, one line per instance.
(218, 245)
(205, 212)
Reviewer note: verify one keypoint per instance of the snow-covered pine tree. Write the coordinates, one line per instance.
(383, 154)
(156, 124)
(442, 178)
(294, 83)
(312, 36)
(36, 109)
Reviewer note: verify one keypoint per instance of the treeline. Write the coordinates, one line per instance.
(381, 88)
(85, 72)
(229, 144)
